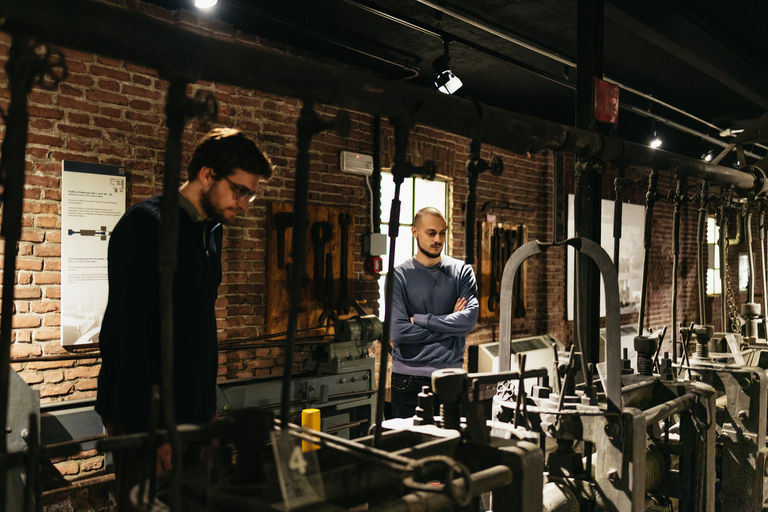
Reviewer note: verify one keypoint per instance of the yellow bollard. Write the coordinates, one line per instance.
(310, 418)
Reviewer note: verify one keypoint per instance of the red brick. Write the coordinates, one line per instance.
(53, 377)
(92, 465)
(86, 384)
(66, 468)
(106, 97)
(79, 131)
(45, 365)
(47, 113)
(56, 390)
(31, 378)
(82, 106)
(47, 278)
(25, 350)
(29, 264)
(121, 76)
(25, 321)
(47, 333)
(44, 306)
(81, 372)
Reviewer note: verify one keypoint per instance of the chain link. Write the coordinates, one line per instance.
(731, 301)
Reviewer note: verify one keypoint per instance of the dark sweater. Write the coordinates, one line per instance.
(436, 338)
(130, 333)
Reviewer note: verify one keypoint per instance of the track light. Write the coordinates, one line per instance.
(445, 81)
(205, 4)
(655, 141)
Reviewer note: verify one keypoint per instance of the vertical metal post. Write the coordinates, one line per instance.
(679, 198)
(650, 199)
(589, 195)
(701, 243)
(376, 176)
(763, 268)
(399, 172)
(618, 205)
(20, 69)
(558, 199)
(304, 132)
(473, 172)
(167, 262)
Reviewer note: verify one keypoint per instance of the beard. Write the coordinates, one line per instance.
(429, 254)
(213, 210)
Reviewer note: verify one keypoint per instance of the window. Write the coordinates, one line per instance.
(713, 258)
(415, 194)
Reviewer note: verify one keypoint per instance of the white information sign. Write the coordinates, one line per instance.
(92, 201)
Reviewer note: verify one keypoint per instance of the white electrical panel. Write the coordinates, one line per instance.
(356, 163)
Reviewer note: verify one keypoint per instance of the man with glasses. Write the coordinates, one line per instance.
(224, 175)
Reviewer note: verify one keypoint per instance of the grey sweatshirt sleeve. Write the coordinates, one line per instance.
(460, 323)
(401, 329)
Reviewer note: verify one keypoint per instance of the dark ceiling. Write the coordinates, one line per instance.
(697, 66)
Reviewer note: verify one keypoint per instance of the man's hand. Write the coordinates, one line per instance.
(461, 305)
(164, 454)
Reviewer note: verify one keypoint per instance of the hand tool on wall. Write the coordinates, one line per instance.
(321, 233)
(344, 221)
(283, 221)
(328, 316)
(475, 166)
(493, 296)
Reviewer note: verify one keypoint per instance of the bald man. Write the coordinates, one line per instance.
(434, 307)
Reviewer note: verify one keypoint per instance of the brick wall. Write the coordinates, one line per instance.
(111, 112)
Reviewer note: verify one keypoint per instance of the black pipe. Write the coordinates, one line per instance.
(750, 256)
(474, 168)
(679, 198)
(701, 243)
(399, 172)
(376, 176)
(110, 31)
(763, 268)
(304, 134)
(21, 73)
(650, 199)
(617, 211)
(167, 262)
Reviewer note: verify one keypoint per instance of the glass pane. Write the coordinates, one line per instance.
(712, 233)
(430, 193)
(713, 282)
(406, 199)
(743, 272)
(404, 248)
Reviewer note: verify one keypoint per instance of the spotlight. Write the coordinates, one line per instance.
(707, 157)
(655, 141)
(445, 81)
(205, 4)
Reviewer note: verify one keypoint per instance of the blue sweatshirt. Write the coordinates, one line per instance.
(435, 339)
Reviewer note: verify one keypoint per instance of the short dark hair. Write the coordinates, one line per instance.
(227, 149)
(427, 210)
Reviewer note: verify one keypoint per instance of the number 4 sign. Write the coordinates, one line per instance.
(299, 472)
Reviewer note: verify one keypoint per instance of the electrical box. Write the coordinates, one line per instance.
(356, 163)
(375, 244)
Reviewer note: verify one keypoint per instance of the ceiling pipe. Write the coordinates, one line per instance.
(110, 31)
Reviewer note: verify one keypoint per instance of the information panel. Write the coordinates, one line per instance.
(92, 201)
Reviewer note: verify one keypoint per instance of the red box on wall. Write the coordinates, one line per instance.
(606, 101)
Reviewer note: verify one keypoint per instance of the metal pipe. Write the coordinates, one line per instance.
(402, 134)
(679, 198)
(667, 409)
(763, 267)
(722, 244)
(473, 171)
(617, 211)
(110, 31)
(167, 262)
(650, 199)
(701, 243)
(750, 256)
(20, 70)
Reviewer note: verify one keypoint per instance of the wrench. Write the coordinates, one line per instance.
(322, 232)
(344, 221)
(328, 316)
(283, 221)
(493, 297)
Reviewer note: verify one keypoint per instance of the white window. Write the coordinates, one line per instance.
(713, 258)
(415, 194)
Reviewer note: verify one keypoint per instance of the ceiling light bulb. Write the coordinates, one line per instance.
(655, 143)
(205, 4)
(448, 83)
(707, 157)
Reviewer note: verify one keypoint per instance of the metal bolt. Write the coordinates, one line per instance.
(354, 379)
(343, 380)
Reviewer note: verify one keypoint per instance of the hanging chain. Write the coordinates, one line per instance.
(731, 301)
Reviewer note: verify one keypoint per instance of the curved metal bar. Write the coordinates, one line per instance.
(612, 315)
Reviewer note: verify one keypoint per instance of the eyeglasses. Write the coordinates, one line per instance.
(240, 192)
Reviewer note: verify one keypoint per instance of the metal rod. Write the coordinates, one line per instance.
(617, 211)
(167, 262)
(679, 197)
(667, 409)
(304, 134)
(20, 77)
(650, 199)
(722, 243)
(701, 243)
(750, 256)
(473, 173)
(763, 267)
(110, 31)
